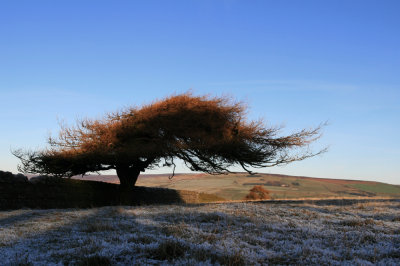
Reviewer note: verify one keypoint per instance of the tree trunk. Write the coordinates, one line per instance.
(127, 176)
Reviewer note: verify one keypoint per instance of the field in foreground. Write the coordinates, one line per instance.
(226, 234)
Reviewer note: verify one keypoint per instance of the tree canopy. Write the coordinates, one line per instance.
(209, 134)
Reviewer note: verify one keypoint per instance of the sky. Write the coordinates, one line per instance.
(295, 63)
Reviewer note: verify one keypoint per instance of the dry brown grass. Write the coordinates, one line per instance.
(168, 250)
(357, 222)
(93, 226)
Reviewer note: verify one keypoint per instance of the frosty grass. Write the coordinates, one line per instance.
(225, 234)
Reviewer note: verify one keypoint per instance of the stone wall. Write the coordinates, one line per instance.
(49, 192)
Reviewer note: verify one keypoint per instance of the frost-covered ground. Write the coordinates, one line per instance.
(230, 234)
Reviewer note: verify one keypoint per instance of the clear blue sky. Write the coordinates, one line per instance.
(296, 63)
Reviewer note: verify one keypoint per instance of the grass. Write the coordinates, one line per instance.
(169, 249)
(237, 186)
(204, 198)
(225, 234)
(93, 226)
(357, 222)
(378, 188)
(95, 260)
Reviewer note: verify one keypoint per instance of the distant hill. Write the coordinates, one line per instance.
(237, 186)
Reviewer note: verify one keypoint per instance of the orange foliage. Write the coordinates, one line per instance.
(258, 193)
(209, 134)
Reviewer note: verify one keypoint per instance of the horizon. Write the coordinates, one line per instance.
(201, 173)
(294, 63)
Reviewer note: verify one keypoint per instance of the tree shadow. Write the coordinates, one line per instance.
(170, 234)
(68, 193)
(22, 215)
(123, 234)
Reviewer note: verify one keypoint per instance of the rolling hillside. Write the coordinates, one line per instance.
(236, 186)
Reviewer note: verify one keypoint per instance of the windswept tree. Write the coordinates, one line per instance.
(209, 134)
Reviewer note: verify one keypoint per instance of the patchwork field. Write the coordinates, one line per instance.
(218, 234)
(237, 186)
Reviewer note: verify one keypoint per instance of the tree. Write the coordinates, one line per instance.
(209, 134)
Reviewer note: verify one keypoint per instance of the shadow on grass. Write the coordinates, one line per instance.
(68, 193)
(20, 216)
(107, 235)
(231, 234)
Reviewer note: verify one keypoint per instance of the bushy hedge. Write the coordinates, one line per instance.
(258, 193)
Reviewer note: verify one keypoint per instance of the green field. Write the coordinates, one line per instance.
(379, 188)
(237, 186)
